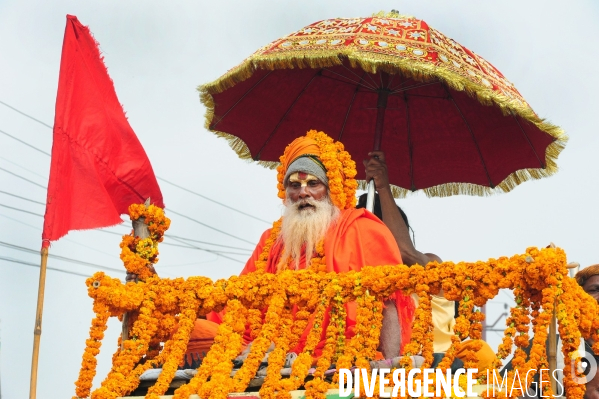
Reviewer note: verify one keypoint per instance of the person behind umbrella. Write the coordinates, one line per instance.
(397, 222)
(316, 183)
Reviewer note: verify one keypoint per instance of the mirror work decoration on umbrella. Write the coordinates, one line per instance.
(449, 122)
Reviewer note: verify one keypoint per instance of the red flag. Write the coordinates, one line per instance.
(98, 166)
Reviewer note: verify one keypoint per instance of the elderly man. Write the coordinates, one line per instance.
(316, 183)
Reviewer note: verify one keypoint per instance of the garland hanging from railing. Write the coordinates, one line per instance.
(538, 279)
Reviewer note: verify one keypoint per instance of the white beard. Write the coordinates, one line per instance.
(305, 226)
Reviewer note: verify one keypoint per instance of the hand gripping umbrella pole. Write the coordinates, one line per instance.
(381, 106)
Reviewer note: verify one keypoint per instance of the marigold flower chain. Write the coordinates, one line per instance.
(138, 254)
(294, 301)
(92, 348)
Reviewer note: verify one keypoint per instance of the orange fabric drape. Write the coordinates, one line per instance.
(301, 146)
(358, 239)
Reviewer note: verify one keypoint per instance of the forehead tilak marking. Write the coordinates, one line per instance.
(302, 177)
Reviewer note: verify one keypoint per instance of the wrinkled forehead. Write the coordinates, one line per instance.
(302, 177)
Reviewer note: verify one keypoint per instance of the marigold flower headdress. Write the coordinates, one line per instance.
(340, 168)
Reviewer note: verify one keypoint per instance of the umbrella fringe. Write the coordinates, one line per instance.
(507, 185)
(420, 71)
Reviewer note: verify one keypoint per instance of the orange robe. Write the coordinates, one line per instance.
(201, 339)
(358, 239)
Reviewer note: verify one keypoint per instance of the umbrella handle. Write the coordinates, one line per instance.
(370, 198)
(383, 95)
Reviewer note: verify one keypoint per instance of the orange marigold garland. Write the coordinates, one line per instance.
(263, 258)
(318, 262)
(568, 328)
(276, 358)
(419, 332)
(333, 333)
(262, 342)
(301, 365)
(174, 349)
(228, 343)
(538, 277)
(424, 322)
(138, 254)
(120, 381)
(92, 348)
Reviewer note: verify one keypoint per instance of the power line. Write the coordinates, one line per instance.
(38, 266)
(205, 242)
(23, 178)
(205, 249)
(214, 201)
(189, 239)
(170, 210)
(160, 178)
(24, 168)
(187, 245)
(210, 227)
(180, 239)
(214, 252)
(58, 257)
(20, 210)
(23, 198)
(64, 238)
(24, 114)
(23, 142)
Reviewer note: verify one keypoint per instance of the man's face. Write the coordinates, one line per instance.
(303, 187)
(591, 287)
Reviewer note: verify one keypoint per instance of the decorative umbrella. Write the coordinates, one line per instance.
(449, 121)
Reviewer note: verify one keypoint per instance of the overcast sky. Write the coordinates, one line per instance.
(157, 53)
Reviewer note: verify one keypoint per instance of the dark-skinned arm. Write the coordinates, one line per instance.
(376, 169)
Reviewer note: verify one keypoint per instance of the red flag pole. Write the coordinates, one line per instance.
(37, 331)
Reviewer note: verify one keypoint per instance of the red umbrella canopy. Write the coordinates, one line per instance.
(449, 121)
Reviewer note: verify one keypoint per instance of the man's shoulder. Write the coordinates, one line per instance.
(360, 238)
(359, 217)
(359, 220)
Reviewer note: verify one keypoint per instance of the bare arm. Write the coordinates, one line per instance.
(377, 169)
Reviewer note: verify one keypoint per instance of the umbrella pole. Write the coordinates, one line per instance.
(381, 106)
(37, 331)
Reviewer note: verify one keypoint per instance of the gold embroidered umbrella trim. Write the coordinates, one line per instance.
(411, 68)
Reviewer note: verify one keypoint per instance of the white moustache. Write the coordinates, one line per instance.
(308, 203)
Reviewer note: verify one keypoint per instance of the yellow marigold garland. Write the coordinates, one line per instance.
(120, 381)
(227, 345)
(175, 348)
(261, 343)
(276, 358)
(92, 348)
(263, 258)
(303, 362)
(138, 254)
(538, 278)
(332, 334)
